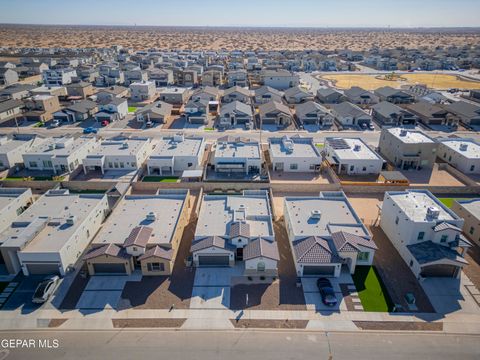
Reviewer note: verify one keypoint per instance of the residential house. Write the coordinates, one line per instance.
(236, 93)
(468, 113)
(185, 77)
(265, 94)
(80, 90)
(330, 96)
(275, 113)
(394, 96)
(112, 109)
(469, 211)
(426, 233)
(388, 114)
(352, 156)
(109, 75)
(326, 234)
(41, 107)
(10, 109)
(237, 78)
(197, 111)
(294, 154)
(112, 92)
(176, 154)
(357, 95)
(279, 79)
(8, 76)
(12, 149)
(433, 114)
(119, 153)
(348, 114)
(143, 91)
(235, 113)
(236, 155)
(161, 77)
(242, 232)
(297, 95)
(157, 112)
(143, 233)
(78, 111)
(58, 77)
(50, 236)
(59, 155)
(312, 113)
(174, 96)
(212, 78)
(408, 149)
(135, 75)
(462, 154)
(13, 202)
(16, 92)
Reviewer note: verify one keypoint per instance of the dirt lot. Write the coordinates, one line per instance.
(473, 268)
(147, 323)
(282, 294)
(394, 272)
(399, 325)
(270, 324)
(298, 178)
(371, 82)
(433, 177)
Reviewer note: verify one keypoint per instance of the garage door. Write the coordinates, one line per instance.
(43, 269)
(109, 268)
(439, 271)
(213, 260)
(319, 270)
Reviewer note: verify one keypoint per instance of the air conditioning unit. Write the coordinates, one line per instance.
(433, 212)
(316, 214)
(71, 220)
(151, 216)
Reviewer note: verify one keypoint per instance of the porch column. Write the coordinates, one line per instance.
(339, 168)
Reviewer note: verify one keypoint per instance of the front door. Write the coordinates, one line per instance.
(240, 254)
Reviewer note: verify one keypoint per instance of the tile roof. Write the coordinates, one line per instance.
(427, 252)
(344, 241)
(444, 226)
(314, 250)
(239, 228)
(158, 252)
(211, 241)
(110, 250)
(139, 236)
(261, 248)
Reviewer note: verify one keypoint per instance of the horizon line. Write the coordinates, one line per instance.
(249, 26)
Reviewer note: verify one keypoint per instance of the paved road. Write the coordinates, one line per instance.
(241, 345)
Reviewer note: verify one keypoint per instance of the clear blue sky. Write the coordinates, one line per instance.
(305, 13)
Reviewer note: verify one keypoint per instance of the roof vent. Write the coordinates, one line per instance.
(357, 148)
(178, 137)
(433, 212)
(71, 220)
(125, 145)
(151, 216)
(316, 214)
(463, 147)
(403, 133)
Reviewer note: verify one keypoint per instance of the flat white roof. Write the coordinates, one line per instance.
(8, 195)
(119, 147)
(293, 147)
(7, 145)
(182, 146)
(466, 147)
(355, 148)
(336, 214)
(60, 146)
(51, 209)
(132, 212)
(473, 206)
(242, 150)
(415, 204)
(219, 211)
(410, 136)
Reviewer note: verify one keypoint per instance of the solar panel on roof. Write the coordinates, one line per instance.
(338, 144)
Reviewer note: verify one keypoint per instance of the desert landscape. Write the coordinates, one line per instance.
(204, 38)
(372, 82)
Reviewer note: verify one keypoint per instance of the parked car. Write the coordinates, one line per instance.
(55, 123)
(363, 126)
(149, 124)
(90, 130)
(105, 123)
(326, 292)
(371, 127)
(45, 289)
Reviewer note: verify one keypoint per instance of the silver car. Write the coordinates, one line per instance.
(45, 289)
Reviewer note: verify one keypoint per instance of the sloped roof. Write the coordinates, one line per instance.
(211, 241)
(110, 250)
(344, 241)
(158, 252)
(236, 106)
(239, 228)
(427, 252)
(238, 89)
(315, 250)
(274, 106)
(139, 236)
(444, 226)
(261, 248)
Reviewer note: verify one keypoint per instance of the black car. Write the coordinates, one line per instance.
(326, 292)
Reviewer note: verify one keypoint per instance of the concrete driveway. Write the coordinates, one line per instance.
(211, 287)
(314, 300)
(451, 295)
(104, 291)
(21, 298)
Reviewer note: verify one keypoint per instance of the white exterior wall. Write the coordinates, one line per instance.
(9, 213)
(458, 161)
(9, 113)
(303, 163)
(213, 251)
(14, 156)
(281, 82)
(252, 264)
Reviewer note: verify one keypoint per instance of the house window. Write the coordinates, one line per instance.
(421, 235)
(472, 167)
(47, 164)
(156, 267)
(411, 263)
(364, 168)
(122, 165)
(444, 238)
(363, 256)
(110, 165)
(471, 230)
(293, 166)
(33, 164)
(261, 266)
(134, 248)
(352, 167)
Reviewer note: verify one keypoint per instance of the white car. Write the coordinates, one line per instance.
(45, 289)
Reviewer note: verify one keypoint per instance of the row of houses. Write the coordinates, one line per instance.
(61, 230)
